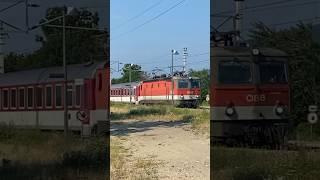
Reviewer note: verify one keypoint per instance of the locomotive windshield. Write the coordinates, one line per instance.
(195, 83)
(183, 83)
(231, 72)
(272, 72)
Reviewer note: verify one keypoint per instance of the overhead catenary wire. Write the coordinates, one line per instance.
(138, 15)
(151, 20)
(255, 7)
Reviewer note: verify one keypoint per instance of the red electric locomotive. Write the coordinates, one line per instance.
(250, 95)
(186, 91)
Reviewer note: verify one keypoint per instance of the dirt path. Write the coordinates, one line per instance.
(183, 155)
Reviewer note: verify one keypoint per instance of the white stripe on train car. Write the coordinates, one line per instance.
(168, 97)
(122, 99)
(50, 119)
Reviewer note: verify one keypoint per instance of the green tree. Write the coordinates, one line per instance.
(304, 62)
(136, 74)
(204, 80)
(82, 45)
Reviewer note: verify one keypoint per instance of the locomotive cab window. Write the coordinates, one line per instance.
(234, 72)
(183, 83)
(195, 83)
(272, 72)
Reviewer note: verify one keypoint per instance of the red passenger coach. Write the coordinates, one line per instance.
(35, 98)
(186, 91)
(250, 95)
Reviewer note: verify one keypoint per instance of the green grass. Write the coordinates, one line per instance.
(199, 118)
(247, 164)
(33, 154)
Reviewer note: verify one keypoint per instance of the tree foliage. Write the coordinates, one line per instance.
(136, 74)
(304, 62)
(81, 45)
(204, 80)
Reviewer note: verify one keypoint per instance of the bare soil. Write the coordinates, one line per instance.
(180, 152)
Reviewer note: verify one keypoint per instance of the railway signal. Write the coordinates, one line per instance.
(312, 117)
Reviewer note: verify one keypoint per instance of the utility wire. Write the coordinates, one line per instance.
(138, 15)
(286, 6)
(152, 19)
(255, 7)
(11, 6)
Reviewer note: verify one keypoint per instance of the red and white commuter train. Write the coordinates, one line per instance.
(249, 95)
(34, 98)
(186, 91)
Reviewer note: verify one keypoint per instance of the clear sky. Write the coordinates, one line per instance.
(187, 25)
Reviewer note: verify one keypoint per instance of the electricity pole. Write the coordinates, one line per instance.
(2, 35)
(66, 116)
(130, 91)
(173, 52)
(237, 18)
(185, 54)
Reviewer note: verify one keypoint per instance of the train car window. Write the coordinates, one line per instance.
(70, 95)
(183, 83)
(48, 96)
(272, 72)
(30, 97)
(13, 98)
(231, 72)
(39, 96)
(78, 95)
(195, 83)
(21, 98)
(58, 93)
(5, 99)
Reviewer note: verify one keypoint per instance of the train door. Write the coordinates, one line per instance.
(135, 89)
(82, 101)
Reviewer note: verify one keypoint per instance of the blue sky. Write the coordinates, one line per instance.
(187, 25)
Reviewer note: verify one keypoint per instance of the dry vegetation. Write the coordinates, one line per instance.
(253, 164)
(123, 168)
(198, 118)
(33, 154)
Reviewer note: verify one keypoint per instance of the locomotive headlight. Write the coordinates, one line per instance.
(197, 96)
(255, 52)
(279, 110)
(181, 97)
(230, 111)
